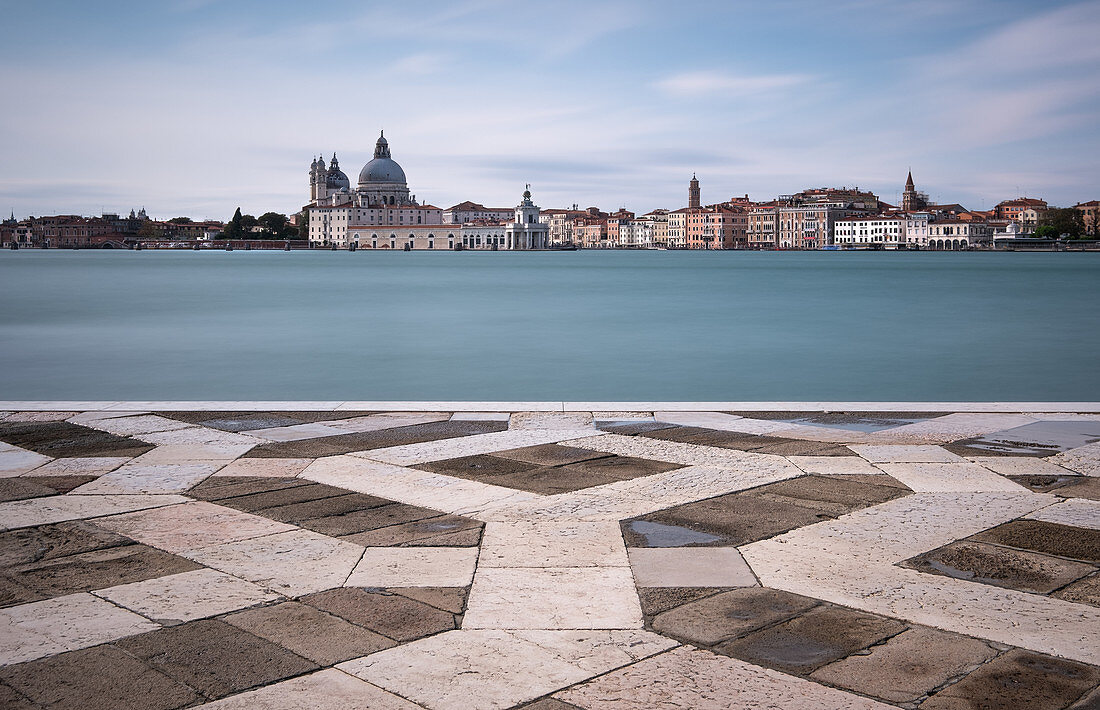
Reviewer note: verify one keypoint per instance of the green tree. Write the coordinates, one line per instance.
(1046, 231)
(148, 230)
(233, 226)
(1065, 220)
(303, 224)
(272, 223)
(180, 220)
(247, 223)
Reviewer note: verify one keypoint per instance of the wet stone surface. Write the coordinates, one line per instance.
(1039, 439)
(1001, 566)
(728, 615)
(1018, 679)
(1050, 538)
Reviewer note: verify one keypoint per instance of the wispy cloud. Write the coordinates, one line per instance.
(711, 83)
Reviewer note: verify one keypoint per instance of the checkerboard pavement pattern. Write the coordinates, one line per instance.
(549, 560)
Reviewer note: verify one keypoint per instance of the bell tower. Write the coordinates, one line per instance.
(693, 191)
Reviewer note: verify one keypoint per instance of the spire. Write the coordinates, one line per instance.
(382, 147)
(909, 182)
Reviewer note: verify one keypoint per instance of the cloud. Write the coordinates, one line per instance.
(704, 83)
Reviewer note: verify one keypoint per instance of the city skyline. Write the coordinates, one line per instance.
(198, 106)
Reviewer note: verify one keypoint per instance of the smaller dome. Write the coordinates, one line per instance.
(337, 179)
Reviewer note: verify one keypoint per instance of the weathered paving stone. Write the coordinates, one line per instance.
(348, 525)
(438, 531)
(309, 632)
(680, 567)
(10, 699)
(907, 666)
(552, 480)
(264, 468)
(720, 439)
(398, 436)
(322, 508)
(1018, 679)
(99, 569)
(259, 502)
(549, 704)
(549, 455)
(1000, 566)
(874, 479)
(452, 599)
(729, 614)
(392, 615)
(329, 689)
(1051, 538)
(632, 428)
(218, 488)
(414, 567)
(23, 488)
(65, 440)
(1091, 701)
(479, 467)
(245, 421)
(1083, 591)
(46, 542)
(1081, 487)
(215, 658)
(655, 600)
(820, 636)
(1042, 483)
(847, 494)
(187, 596)
(190, 525)
(98, 678)
(805, 448)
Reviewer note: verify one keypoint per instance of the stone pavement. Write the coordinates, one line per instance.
(308, 556)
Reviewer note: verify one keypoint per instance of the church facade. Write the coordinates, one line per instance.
(381, 213)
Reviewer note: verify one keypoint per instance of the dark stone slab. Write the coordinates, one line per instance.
(807, 642)
(720, 439)
(12, 700)
(426, 531)
(966, 447)
(309, 632)
(551, 480)
(99, 569)
(324, 507)
(1051, 538)
(274, 499)
(248, 421)
(839, 419)
(22, 489)
(621, 467)
(47, 542)
(805, 448)
(550, 454)
(392, 615)
(481, 467)
(656, 600)
(1081, 487)
(849, 495)
(219, 488)
(62, 484)
(97, 678)
(1043, 483)
(632, 428)
(1018, 679)
(1000, 566)
(730, 614)
(397, 436)
(362, 521)
(875, 479)
(13, 592)
(549, 704)
(66, 440)
(214, 657)
(452, 599)
(1090, 701)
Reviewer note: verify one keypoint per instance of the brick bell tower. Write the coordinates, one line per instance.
(693, 191)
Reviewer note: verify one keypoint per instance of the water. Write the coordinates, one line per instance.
(549, 326)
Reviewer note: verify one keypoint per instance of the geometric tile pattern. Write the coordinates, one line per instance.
(390, 559)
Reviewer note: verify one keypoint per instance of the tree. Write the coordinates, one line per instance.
(180, 220)
(233, 227)
(148, 230)
(1046, 231)
(247, 223)
(1065, 220)
(272, 223)
(303, 224)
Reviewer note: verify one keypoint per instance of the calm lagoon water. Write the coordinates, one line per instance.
(549, 326)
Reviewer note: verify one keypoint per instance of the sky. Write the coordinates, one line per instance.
(195, 107)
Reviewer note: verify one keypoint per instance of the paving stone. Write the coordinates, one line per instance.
(848, 464)
(806, 642)
(888, 453)
(322, 638)
(696, 679)
(488, 443)
(552, 544)
(458, 531)
(136, 477)
(12, 592)
(23, 488)
(65, 440)
(265, 468)
(690, 567)
(191, 525)
(349, 524)
(290, 563)
(56, 509)
(47, 542)
(846, 493)
(218, 488)
(1090, 701)
(87, 466)
(15, 461)
(548, 455)
(949, 477)
(37, 416)
(1043, 483)
(414, 567)
(479, 467)
(874, 479)
(99, 678)
(328, 689)
(908, 666)
(550, 704)
(553, 598)
(720, 439)
(807, 448)
(1000, 566)
(597, 651)
(632, 428)
(12, 700)
(1083, 591)
(362, 441)
(187, 596)
(215, 658)
(655, 600)
(392, 615)
(319, 508)
(1082, 487)
(1019, 465)
(68, 623)
(452, 599)
(1078, 512)
(1051, 538)
(730, 614)
(137, 424)
(257, 502)
(98, 569)
(1019, 679)
(552, 480)
(298, 432)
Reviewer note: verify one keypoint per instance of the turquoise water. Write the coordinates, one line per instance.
(549, 326)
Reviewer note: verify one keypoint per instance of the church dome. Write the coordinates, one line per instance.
(336, 179)
(383, 169)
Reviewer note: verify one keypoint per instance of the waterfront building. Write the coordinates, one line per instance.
(465, 212)
(1012, 209)
(956, 234)
(1090, 212)
(561, 223)
(614, 221)
(658, 222)
(881, 231)
(591, 232)
(1029, 217)
(677, 228)
(917, 229)
(762, 226)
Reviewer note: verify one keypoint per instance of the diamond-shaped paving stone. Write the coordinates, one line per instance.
(729, 614)
(1051, 538)
(187, 596)
(99, 678)
(98, 569)
(309, 632)
(214, 657)
(1001, 566)
(819, 636)
(392, 615)
(65, 440)
(46, 542)
(549, 454)
(1018, 679)
(362, 441)
(324, 690)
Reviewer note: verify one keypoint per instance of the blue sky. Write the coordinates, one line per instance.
(193, 107)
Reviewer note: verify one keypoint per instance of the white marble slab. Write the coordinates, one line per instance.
(298, 432)
(135, 425)
(265, 468)
(1079, 512)
(412, 454)
(187, 596)
(690, 567)
(834, 465)
(552, 544)
(87, 466)
(191, 525)
(15, 461)
(888, 453)
(414, 567)
(56, 509)
(327, 689)
(136, 477)
(947, 477)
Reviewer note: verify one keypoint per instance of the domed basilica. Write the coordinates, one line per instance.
(381, 181)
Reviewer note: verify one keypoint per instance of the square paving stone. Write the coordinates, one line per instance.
(99, 569)
(1018, 679)
(1083, 591)
(382, 438)
(908, 666)
(392, 615)
(98, 678)
(309, 632)
(690, 567)
(549, 454)
(66, 440)
(454, 529)
(46, 542)
(655, 600)
(729, 614)
(820, 636)
(216, 658)
(1051, 538)
(1000, 566)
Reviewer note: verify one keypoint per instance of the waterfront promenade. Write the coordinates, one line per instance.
(549, 555)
